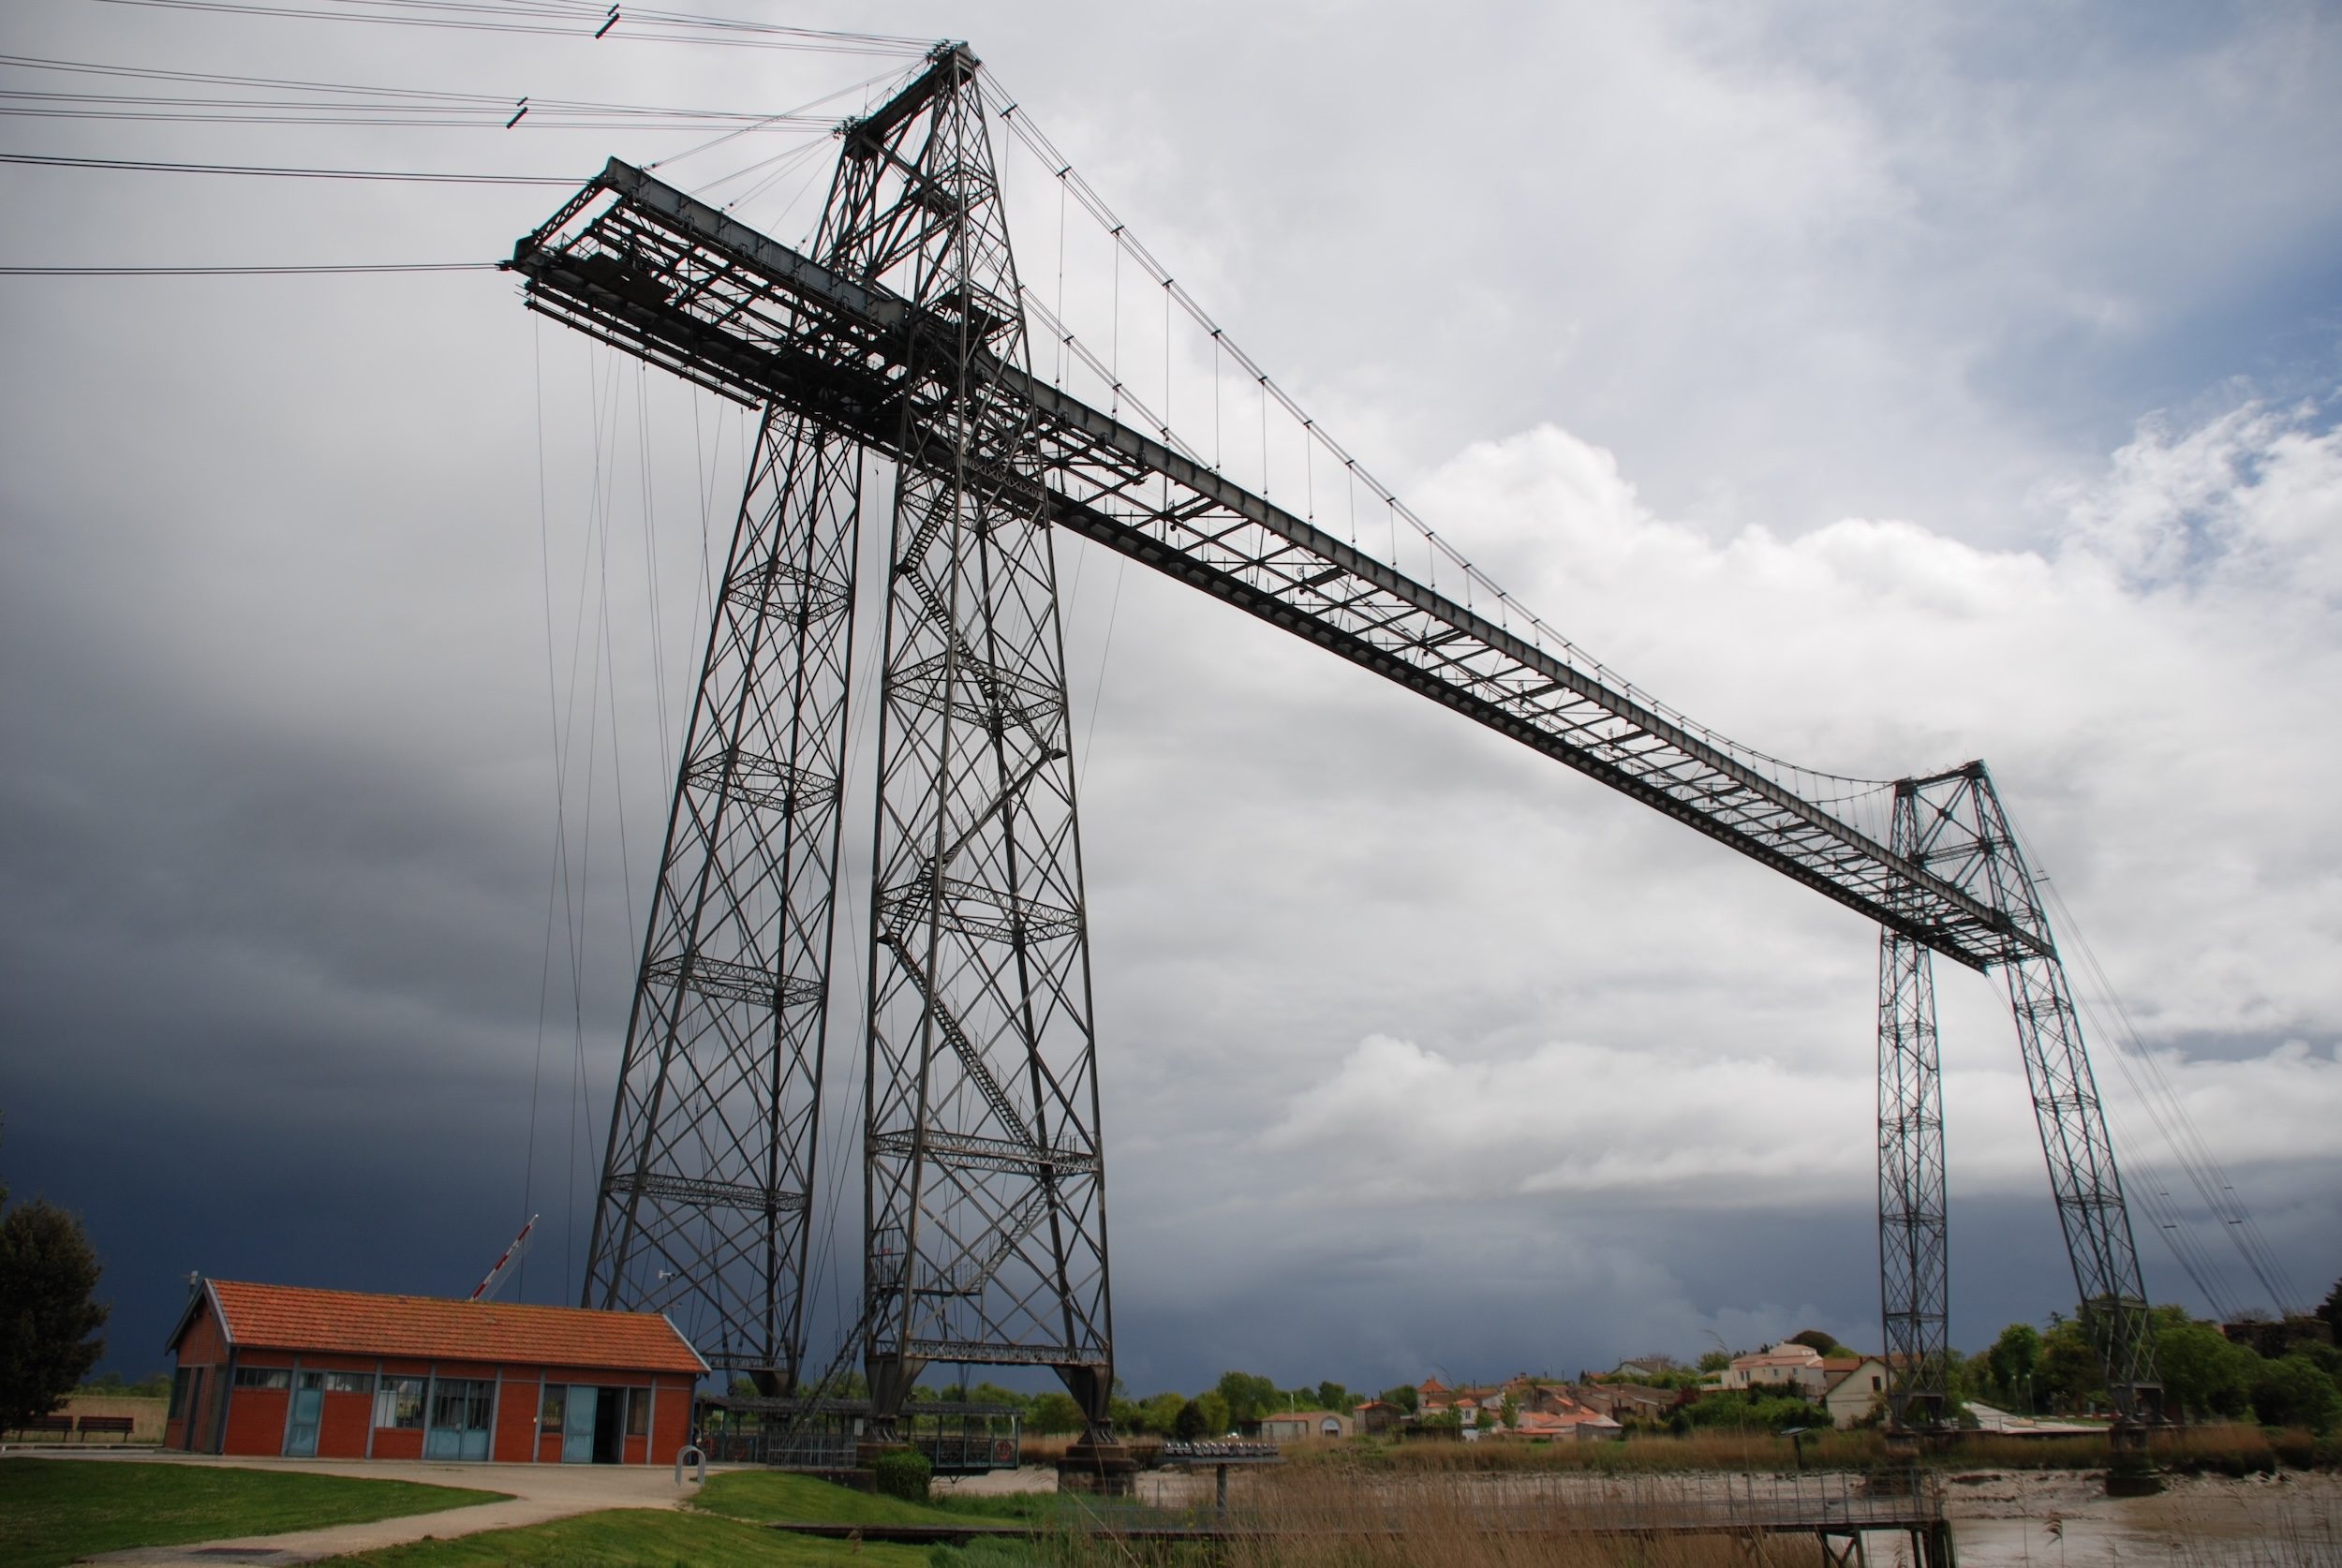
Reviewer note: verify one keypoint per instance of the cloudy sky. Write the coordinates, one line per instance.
(1885, 389)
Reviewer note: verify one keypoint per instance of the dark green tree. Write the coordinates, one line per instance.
(2069, 1377)
(1249, 1397)
(1334, 1397)
(1406, 1396)
(49, 1326)
(2331, 1310)
(2204, 1373)
(2292, 1392)
(1818, 1340)
(1054, 1413)
(990, 1392)
(1189, 1423)
(2012, 1366)
(1159, 1412)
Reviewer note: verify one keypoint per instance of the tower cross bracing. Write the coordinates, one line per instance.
(899, 342)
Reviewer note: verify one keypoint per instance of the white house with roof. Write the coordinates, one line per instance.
(1795, 1367)
(1857, 1383)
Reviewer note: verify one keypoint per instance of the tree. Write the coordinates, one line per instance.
(1054, 1413)
(1334, 1397)
(1406, 1396)
(1249, 1397)
(2012, 1364)
(2331, 1310)
(1512, 1412)
(1215, 1409)
(2068, 1376)
(2292, 1392)
(1820, 1341)
(1161, 1412)
(154, 1385)
(1715, 1360)
(990, 1392)
(2203, 1372)
(47, 1323)
(1189, 1423)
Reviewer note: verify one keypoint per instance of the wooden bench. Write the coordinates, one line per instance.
(48, 1425)
(121, 1425)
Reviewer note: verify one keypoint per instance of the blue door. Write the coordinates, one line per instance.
(300, 1421)
(577, 1424)
(460, 1408)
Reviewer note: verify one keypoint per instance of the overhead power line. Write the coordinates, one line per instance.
(276, 171)
(637, 25)
(297, 100)
(271, 270)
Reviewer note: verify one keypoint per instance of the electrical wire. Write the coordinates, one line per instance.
(278, 172)
(2169, 1115)
(296, 100)
(327, 270)
(583, 21)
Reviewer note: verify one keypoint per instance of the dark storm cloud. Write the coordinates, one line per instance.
(283, 661)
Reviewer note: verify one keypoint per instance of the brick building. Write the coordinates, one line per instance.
(269, 1369)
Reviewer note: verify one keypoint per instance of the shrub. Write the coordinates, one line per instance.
(903, 1472)
(2292, 1392)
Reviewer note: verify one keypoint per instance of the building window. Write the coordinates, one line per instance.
(311, 1380)
(180, 1381)
(349, 1382)
(462, 1404)
(277, 1378)
(555, 1406)
(398, 1403)
(638, 1412)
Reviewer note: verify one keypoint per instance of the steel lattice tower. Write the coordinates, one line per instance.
(901, 342)
(1914, 1252)
(985, 1216)
(706, 1185)
(1952, 825)
(983, 1182)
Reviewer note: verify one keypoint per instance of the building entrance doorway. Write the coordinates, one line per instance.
(461, 1409)
(593, 1425)
(302, 1417)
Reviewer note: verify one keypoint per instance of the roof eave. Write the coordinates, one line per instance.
(186, 1316)
(684, 1339)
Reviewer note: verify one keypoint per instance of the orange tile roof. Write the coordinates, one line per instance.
(350, 1323)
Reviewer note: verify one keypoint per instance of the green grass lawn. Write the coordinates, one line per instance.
(642, 1538)
(53, 1511)
(767, 1496)
(723, 1526)
(763, 1496)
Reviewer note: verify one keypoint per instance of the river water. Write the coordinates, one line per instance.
(2000, 1518)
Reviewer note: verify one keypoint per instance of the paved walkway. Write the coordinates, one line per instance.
(540, 1492)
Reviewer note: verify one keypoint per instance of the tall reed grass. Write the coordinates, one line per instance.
(2239, 1449)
